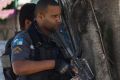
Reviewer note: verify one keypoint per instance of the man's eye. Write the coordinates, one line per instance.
(54, 16)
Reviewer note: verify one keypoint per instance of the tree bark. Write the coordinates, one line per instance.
(106, 66)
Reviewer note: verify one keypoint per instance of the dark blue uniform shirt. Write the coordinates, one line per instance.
(21, 47)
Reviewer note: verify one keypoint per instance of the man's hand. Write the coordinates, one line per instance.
(76, 78)
(75, 69)
(61, 66)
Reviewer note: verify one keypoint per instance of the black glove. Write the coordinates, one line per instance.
(61, 66)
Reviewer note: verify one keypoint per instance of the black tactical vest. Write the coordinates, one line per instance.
(44, 48)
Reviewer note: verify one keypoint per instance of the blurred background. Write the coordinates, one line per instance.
(9, 12)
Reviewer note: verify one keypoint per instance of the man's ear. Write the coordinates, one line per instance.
(27, 23)
(40, 16)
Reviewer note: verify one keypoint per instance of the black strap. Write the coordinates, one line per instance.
(36, 39)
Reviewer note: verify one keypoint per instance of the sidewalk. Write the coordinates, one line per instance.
(2, 47)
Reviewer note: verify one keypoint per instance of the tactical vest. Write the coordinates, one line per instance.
(44, 48)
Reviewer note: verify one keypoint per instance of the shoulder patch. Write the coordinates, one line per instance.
(18, 41)
(17, 50)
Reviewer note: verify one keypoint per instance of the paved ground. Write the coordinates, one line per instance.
(2, 47)
(1, 71)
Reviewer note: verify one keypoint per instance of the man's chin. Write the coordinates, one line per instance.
(52, 30)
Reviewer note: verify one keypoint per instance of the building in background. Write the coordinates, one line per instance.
(9, 12)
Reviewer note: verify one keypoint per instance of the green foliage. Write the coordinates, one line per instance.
(11, 6)
(2, 21)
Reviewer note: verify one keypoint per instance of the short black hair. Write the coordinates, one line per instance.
(43, 4)
(26, 12)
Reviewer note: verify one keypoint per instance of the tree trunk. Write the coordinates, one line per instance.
(106, 66)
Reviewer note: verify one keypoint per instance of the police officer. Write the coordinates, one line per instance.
(35, 56)
(26, 17)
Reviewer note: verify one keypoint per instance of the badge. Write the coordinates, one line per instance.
(31, 47)
(17, 50)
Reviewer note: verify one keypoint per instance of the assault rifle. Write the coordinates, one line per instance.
(84, 70)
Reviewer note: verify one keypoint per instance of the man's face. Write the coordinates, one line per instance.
(51, 18)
